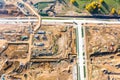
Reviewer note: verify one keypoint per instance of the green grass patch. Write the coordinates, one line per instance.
(43, 14)
(105, 8)
(84, 72)
(82, 32)
(42, 5)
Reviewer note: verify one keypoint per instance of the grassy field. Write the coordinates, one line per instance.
(105, 7)
(42, 6)
(80, 5)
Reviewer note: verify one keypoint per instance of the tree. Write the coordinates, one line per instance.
(93, 6)
(88, 8)
(101, 1)
(119, 12)
(99, 6)
(113, 11)
(72, 1)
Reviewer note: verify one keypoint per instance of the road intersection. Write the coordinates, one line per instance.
(78, 25)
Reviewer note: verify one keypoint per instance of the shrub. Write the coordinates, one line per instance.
(72, 1)
(101, 1)
(93, 6)
(113, 11)
(119, 12)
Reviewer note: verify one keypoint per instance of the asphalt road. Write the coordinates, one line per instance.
(57, 20)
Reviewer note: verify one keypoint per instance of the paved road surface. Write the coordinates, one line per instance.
(55, 21)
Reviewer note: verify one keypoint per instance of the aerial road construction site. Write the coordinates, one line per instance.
(102, 42)
(31, 50)
(33, 47)
(49, 53)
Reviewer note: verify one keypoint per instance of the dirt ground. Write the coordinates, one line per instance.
(102, 50)
(53, 71)
(60, 37)
(16, 51)
(2, 42)
(60, 40)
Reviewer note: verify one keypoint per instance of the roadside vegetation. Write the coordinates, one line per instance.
(106, 7)
(41, 6)
(89, 7)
